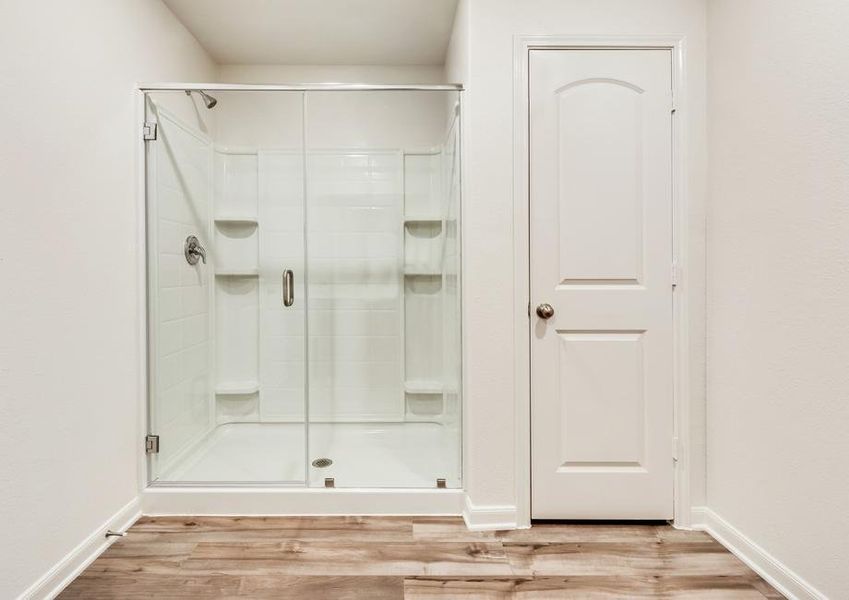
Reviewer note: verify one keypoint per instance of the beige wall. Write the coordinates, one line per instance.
(778, 282)
(69, 253)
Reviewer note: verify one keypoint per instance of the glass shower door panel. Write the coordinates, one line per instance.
(226, 353)
(379, 410)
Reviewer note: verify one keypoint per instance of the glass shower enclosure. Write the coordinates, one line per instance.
(303, 265)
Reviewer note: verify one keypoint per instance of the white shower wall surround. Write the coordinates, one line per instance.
(356, 271)
(179, 294)
(376, 291)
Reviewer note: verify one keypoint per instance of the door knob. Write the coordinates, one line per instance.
(545, 311)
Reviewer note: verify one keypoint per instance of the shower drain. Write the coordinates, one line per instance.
(322, 462)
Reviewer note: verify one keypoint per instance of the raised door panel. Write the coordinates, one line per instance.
(602, 418)
(599, 187)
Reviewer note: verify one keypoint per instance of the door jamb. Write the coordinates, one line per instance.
(682, 393)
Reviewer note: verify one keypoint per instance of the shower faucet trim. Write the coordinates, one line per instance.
(193, 251)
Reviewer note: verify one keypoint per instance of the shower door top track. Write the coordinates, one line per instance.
(302, 87)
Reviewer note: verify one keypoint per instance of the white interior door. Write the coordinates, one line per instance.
(601, 257)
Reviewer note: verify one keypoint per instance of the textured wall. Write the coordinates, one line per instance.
(69, 360)
(778, 283)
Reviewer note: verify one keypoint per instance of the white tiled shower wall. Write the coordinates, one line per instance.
(179, 185)
(354, 284)
(282, 330)
(355, 206)
(353, 272)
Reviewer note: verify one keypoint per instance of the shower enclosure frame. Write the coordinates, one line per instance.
(268, 498)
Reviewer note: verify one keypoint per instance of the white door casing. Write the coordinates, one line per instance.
(600, 139)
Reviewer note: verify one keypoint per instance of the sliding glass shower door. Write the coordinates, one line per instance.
(303, 287)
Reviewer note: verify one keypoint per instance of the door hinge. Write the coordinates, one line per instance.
(676, 274)
(151, 444)
(149, 131)
(674, 449)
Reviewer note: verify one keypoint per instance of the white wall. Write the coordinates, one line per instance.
(488, 208)
(778, 283)
(69, 363)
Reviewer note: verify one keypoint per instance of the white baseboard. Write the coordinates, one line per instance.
(759, 560)
(75, 562)
(484, 518)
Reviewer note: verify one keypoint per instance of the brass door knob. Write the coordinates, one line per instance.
(545, 311)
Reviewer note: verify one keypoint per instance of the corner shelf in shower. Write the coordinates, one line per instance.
(247, 221)
(411, 272)
(423, 387)
(237, 273)
(423, 219)
(237, 388)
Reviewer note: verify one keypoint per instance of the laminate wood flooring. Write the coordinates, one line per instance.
(377, 558)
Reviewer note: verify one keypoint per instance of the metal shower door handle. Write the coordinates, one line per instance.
(288, 287)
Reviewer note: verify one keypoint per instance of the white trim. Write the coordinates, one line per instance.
(280, 501)
(776, 573)
(489, 518)
(75, 562)
(521, 244)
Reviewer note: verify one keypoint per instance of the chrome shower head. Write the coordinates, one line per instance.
(208, 100)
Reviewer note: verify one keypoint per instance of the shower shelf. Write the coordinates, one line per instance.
(423, 387)
(239, 388)
(423, 219)
(421, 273)
(237, 273)
(237, 220)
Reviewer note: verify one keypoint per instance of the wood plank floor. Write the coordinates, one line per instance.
(378, 558)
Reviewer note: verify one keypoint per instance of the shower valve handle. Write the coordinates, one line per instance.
(193, 251)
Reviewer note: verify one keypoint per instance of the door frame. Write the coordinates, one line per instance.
(682, 391)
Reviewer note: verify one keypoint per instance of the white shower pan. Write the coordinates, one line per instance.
(371, 455)
(377, 468)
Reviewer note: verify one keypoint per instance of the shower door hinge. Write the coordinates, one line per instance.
(676, 274)
(149, 131)
(151, 444)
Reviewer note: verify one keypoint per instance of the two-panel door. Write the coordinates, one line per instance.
(601, 283)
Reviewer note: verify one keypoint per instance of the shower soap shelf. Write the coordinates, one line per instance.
(239, 388)
(423, 387)
(422, 219)
(236, 220)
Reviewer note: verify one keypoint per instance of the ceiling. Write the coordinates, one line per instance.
(320, 32)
